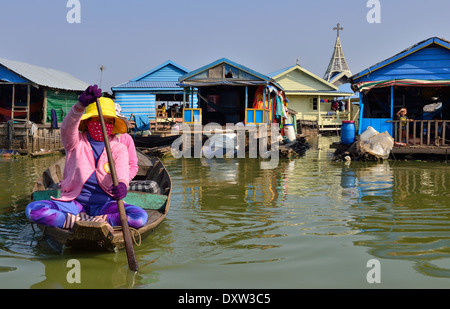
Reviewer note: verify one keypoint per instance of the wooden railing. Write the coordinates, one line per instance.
(325, 118)
(422, 132)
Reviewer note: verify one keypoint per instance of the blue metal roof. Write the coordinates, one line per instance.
(154, 70)
(401, 55)
(162, 77)
(147, 85)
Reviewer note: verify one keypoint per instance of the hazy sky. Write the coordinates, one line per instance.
(131, 37)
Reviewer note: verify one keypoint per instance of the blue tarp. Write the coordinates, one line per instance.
(142, 123)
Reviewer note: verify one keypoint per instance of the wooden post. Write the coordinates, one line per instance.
(12, 100)
(28, 101)
(44, 107)
(407, 133)
(444, 125)
(318, 111)
(246, 96)
(421, 132)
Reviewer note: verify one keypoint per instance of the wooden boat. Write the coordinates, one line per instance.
(152, 178)
(154, 140)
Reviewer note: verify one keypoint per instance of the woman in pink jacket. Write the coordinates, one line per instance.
(87, 191)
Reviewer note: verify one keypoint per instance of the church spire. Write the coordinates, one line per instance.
(338, 63)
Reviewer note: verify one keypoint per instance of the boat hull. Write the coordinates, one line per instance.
(97, 236)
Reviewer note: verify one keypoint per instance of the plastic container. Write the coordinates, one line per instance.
(289, 131)
(368, 133)
(348, 132)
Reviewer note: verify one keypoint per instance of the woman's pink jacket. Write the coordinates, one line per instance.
(80, 162)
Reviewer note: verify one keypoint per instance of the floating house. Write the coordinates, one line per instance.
(231, 93)
(418, 79)
(33, 101)
(145, 94)
(314, 99)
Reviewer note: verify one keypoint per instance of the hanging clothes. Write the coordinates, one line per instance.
(334, 106)
(54, 119)
(258, 101)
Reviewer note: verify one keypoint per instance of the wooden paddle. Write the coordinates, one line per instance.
(132, 261)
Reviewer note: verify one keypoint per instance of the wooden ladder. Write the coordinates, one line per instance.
(20, 109)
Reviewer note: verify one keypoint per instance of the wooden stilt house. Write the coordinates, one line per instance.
(33, 102)
(230, 93)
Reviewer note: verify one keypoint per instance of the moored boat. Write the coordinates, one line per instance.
(150, 189)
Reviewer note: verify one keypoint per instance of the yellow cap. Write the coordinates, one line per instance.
(108, 110)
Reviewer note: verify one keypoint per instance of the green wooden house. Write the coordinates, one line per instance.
(33, 101)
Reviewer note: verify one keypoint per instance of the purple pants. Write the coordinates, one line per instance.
(53, 213)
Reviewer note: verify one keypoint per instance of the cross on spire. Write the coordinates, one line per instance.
(338, 64)
(338, 28)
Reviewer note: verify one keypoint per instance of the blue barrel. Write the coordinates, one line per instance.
(348, 132)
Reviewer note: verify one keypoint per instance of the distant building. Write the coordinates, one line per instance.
(142, 95)
(338, 71)
(230, 93)
(418, 79)
(313, 97)
(33, 100)
(30, 92)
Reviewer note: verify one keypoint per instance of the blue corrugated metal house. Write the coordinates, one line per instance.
(141, 95)
(415, 78)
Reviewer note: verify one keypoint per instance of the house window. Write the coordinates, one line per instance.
(314, 104)
(377, 103)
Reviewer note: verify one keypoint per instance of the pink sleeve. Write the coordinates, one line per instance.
(127, 140)
(69, 127)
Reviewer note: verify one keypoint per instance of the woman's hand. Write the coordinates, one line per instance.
(119, 192)
(90, 95)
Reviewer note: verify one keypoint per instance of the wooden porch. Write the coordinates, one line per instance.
(325, 121)
(422, 137)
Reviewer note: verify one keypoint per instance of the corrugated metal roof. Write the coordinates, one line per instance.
(155, 70)
(402, 54)
(44, 76)
(149, 85)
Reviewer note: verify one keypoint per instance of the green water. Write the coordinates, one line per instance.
(309, 223)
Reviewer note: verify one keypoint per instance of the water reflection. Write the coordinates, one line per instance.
(406, 209)
(369, 183)
(232, 204)
(229, 216)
